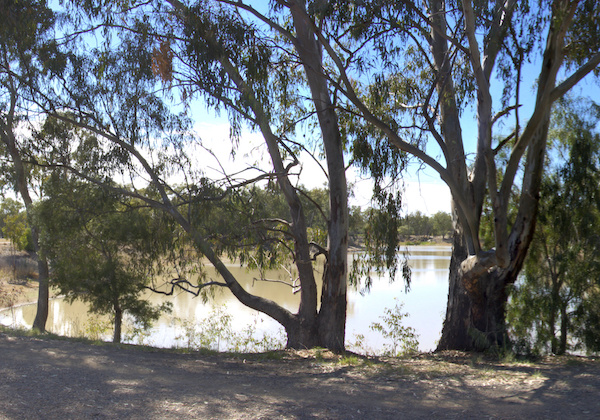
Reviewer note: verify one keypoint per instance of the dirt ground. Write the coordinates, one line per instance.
(64, 379)
(46, 378)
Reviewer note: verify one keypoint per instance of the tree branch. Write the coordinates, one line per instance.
(576, 77)
(185, 286)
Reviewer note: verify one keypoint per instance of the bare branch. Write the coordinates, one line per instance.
(501, 22)
(504, 112)
(186, 286)
(504, 141)
(320, 251)
(295, 287)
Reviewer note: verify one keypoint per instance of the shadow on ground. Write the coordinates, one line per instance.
(54, 379)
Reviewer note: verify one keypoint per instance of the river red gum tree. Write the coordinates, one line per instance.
(435, 61)
(314, 324)
(207, 50)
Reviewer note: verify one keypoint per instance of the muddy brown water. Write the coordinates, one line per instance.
(425, 304)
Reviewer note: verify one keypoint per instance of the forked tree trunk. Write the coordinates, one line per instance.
(301, 334)
(476, 311)
(305, 329)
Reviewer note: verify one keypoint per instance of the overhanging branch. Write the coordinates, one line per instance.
(185, 286)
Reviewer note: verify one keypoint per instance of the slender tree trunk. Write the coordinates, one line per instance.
(301, 328)
(564, 329)
(41, 315)
(554, 306)
(552, 330)
(118, 324)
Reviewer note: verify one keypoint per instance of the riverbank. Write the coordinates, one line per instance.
(18, 276)
(68, 379)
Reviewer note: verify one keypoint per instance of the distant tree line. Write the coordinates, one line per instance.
(420, 224)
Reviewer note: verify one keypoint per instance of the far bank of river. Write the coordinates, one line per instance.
(425, 303)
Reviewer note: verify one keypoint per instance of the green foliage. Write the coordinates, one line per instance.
(8, 207)
(216, 332)
(349, 360)
(102, 250)
(214, 32)
(553, 305)
(402, 339)
(15, 225)
(97, 328)
(252, 224)
(442, 224)
(382, 254)
(419, 224)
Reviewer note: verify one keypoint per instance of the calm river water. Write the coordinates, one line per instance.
(425, 303)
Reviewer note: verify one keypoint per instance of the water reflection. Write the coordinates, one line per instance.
(425, 303)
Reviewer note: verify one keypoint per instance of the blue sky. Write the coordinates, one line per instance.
(425, 191)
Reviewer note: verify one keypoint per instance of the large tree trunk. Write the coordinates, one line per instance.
(478, 282)
(332, 315)
(476, 311)
(301, 334)
(458, 311)
(488, 328)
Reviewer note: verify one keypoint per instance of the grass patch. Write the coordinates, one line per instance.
(350, 360)
(538, 375)
(28, 332)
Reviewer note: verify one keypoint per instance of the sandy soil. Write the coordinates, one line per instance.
(60, 379)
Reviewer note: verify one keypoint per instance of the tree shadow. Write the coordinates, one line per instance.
(68, 379)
